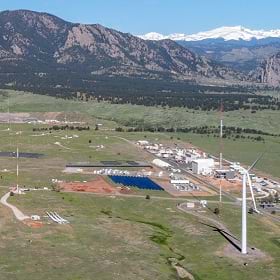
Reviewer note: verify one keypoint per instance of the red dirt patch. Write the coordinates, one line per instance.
(33, 224)
(230, 186)
(97, 185)
(124, 190)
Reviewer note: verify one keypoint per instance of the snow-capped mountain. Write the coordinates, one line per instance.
(227, 33)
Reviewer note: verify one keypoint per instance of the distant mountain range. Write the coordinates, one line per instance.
(227, 33)
(42, 49)
(238, 47)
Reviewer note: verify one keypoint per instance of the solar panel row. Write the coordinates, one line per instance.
(108, 162)
(131, 162)
(138, 182)
(113, 162)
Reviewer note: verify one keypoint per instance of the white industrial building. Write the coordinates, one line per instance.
(165, 153)
(160, 163)
(203, 166)
(152, 147)
(190, 156)
(143, 142)
(228, 174)
(179, 181)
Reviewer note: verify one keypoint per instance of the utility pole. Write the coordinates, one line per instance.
(9, 120)
(17, 170)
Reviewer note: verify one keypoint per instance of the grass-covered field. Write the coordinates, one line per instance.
(126, 238)
(267, 120)
(41, 171)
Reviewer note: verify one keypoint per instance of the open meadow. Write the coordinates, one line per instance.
(126, 238)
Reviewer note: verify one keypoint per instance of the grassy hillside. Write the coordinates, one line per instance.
(127, 238)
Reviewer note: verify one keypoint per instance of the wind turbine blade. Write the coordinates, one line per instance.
(251, 190)
(255, 162)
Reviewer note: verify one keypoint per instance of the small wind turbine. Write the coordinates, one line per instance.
(246, 178)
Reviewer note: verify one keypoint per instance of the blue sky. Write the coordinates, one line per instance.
(163, 16)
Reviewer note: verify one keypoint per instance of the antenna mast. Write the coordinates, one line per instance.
(221, 134)
(221, 145)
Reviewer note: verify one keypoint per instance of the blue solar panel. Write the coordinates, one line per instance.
(138, 182)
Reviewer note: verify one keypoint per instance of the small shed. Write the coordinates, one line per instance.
(228, 174)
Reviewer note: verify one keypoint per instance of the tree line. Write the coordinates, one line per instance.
(61, 127)
(230, 132)
(163, 92)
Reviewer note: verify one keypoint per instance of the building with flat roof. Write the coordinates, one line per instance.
(203, 166)
(228, 174)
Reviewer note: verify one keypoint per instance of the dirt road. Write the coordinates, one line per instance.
(18, 214)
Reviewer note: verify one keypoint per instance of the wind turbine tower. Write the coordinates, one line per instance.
(246, 178)
(244, 217)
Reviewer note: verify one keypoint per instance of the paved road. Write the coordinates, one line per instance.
(18, 214)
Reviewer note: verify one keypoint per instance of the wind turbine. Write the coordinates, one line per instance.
(246, 178)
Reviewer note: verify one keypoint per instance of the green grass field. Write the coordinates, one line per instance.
(50, 166)
(125, 238)
(266, 120)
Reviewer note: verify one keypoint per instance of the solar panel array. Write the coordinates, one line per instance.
(138, 182)
(131, 162)
(21, 155)
(111, 162)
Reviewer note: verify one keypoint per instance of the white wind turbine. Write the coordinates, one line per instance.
(247, 178)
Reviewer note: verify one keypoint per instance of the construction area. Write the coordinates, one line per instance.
(97, 185)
